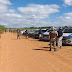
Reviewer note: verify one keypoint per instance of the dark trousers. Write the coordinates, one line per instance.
(18, 36)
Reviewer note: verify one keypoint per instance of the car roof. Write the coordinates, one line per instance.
(68, 28)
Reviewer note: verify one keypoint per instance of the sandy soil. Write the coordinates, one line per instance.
(31, 55)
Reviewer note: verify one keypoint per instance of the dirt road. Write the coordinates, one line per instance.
(31, 55)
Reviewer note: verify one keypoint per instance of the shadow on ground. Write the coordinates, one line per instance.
(41, 49)
(45, 47)
(66, 45)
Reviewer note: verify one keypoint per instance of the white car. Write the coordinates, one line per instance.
(44, 36)
(23, 31)
(67, 36)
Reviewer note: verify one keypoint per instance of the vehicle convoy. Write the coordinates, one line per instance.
(67, 36)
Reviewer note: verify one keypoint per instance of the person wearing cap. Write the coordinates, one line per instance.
(59, 38)
(53, 35)
(18, 33)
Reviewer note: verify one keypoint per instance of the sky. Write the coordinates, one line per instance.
(35, 13)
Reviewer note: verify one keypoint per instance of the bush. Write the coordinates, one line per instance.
(2, 29)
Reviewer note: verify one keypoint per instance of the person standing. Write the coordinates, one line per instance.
(26, 34)
(40, 32)
(59, 38)
(18, 33)
(53, 35)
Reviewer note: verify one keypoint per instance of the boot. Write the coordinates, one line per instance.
(50, 49)
(60, 47)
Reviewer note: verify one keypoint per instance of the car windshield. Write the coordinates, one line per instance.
(44, 31)
(48, 30)
(68, 31)
(30, 30)
(36, 31)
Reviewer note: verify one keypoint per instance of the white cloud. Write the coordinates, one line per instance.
(12, 11)
(5, 2)
(68, 2)
(68, 14)
(39, 11)
(67, 17)
(65, 20)
(3, 8)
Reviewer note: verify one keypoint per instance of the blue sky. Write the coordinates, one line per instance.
(28, 13)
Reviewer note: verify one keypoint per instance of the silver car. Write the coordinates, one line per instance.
(67, 36)
(44, 36)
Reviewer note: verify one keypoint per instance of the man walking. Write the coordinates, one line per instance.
(53, 36)
(18, 33)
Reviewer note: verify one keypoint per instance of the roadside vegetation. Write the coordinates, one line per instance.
(2, 29)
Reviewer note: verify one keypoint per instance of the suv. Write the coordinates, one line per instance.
(36, 33)
(44, 36)
(42, 32)
(67, 36)
(30, 32)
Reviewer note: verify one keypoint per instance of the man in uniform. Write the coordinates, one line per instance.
(53, 35)
(18, 33)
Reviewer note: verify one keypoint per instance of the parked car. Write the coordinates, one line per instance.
(22, 32)
(30, 32)
(45, 36)
(67, 36)
(36, 33)
(42, 31)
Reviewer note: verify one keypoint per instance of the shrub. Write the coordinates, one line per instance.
(2, 29)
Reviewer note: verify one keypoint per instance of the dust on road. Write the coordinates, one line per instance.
(31, 55)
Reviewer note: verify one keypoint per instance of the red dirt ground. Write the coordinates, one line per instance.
(31, 55)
